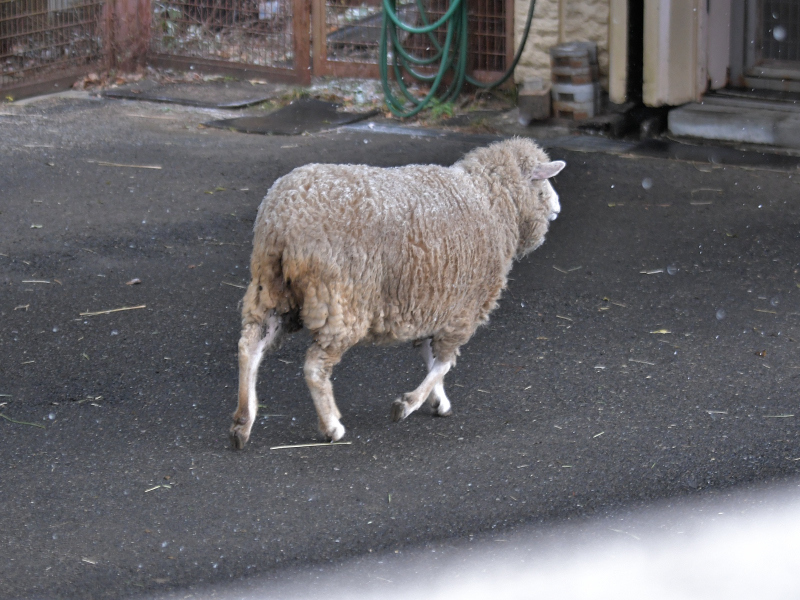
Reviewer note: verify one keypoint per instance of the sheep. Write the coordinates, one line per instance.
(366, 254)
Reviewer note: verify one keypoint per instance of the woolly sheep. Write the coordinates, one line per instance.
(366, 254)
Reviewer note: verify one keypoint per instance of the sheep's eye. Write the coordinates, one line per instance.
(260, 288)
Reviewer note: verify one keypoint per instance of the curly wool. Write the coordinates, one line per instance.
(358, 253)
(398, 254)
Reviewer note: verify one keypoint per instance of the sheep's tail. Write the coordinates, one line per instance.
(268, 291)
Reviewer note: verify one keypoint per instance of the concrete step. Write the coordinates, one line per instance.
(739, 120)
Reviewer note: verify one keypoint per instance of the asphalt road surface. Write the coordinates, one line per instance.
(647, 352)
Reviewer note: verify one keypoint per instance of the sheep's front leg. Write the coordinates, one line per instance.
(411, 401)
(255, 340)
(317, 369)
(437, 399)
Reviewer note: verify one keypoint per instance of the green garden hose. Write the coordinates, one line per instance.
(450, 55)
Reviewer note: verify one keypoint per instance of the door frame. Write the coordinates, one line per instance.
(747, 69)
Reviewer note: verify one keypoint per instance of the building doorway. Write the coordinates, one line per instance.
(765, 44)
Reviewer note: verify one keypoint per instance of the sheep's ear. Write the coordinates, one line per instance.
(547, 170)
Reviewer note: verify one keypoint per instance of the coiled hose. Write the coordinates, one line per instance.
(451, 54)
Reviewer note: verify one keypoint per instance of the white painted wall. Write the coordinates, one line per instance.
(675, 41)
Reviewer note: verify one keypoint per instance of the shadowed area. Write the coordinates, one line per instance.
(207, 94)
(306, 115)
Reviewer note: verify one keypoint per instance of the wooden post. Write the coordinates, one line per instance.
(301, 12)
(319, 47)
(129, 33)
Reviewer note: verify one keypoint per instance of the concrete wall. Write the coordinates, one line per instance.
(586, 20)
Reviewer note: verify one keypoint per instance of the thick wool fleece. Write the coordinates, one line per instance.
(359, 253)
(407, 253)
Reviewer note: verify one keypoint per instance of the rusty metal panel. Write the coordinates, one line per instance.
(45, 42)
(490, 41)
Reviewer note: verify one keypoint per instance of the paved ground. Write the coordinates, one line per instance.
(648, 351)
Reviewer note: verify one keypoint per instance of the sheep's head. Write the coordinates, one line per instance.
(539, 175)
(537, 200)
(522, 169)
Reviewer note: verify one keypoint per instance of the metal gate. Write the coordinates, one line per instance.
(46, 44)
(346, 35)
(281, 38)
(270, 37)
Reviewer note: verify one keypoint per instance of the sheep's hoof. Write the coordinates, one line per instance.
(335, 433)
(399, 410)
(238, 438)
(439, 410)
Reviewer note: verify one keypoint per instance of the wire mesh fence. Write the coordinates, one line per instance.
(352, 28)
(252, 32)
(487, 34)
(46, 38)
(41, 39)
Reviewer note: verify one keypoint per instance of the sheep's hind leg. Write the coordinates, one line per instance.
(411, 401)
(317, 369)
(255, 340)
(437, 399)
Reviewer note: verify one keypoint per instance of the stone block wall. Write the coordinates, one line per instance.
(587, 20)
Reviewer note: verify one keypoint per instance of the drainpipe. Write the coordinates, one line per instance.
(562, 21)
